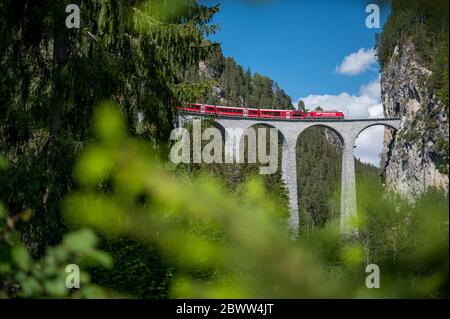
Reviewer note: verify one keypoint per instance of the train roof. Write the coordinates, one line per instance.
(239, 108)
(232, 107)
(325, 111)
(275, 110)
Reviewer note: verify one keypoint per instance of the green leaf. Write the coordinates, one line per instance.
(93, 166)
(56, 287)
(2, 211)
(4, 268)
(109, 124)
(92, 292)
(3, 163)
(30, 287)
(102, 258)
(82, 240)
(21, 257)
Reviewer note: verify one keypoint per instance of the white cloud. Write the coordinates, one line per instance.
(351, 105)
(357, 62)
(376, 111)
(369, 144)
(366, 104)
(373, 89)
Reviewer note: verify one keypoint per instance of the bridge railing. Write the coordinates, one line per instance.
(318, 119)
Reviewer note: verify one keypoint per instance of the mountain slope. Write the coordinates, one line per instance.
(237, 87)
(413, 53)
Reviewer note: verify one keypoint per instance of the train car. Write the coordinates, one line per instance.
(199, 108)
(261, 113)
(275, 113)
(298, 114)
(251, 113)
(196, 108)
(325, 114)
(230, 111)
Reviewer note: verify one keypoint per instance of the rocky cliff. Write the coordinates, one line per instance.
(235, 86)
(417, 157)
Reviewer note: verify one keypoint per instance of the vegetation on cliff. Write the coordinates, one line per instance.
(424, 24)
(237, 87)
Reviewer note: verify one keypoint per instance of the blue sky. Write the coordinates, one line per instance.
(318, 51)
(298, 43)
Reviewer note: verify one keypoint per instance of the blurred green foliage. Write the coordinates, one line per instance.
(23, 276)
(410, 240)
(52, 78)
(139, 271)
(170, 233)
(233, 176)
(234, 244)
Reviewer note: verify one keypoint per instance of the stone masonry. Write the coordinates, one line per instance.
(346, 129)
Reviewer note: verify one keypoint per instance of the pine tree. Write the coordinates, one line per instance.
(133, 52)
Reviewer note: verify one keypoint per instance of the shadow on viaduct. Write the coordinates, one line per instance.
(347, 131)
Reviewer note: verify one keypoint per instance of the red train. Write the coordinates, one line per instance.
(260, 113)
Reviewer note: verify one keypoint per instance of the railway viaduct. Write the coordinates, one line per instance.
(347, 131)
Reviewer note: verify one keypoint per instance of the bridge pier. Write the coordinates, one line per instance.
(347, 130)
(289, 176)
(348, 190)
(229, 148)
(232, 145)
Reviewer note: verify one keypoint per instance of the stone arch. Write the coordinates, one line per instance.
(328, 127)
(220, 127)
(212, 123)
(346, 131)
(241, 139)
(206, 122)
(385, 124)
(311, 211)
(281, 135)
(348, 180)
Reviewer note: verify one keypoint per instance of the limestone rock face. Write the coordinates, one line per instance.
(416, 158)
(207, 71)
